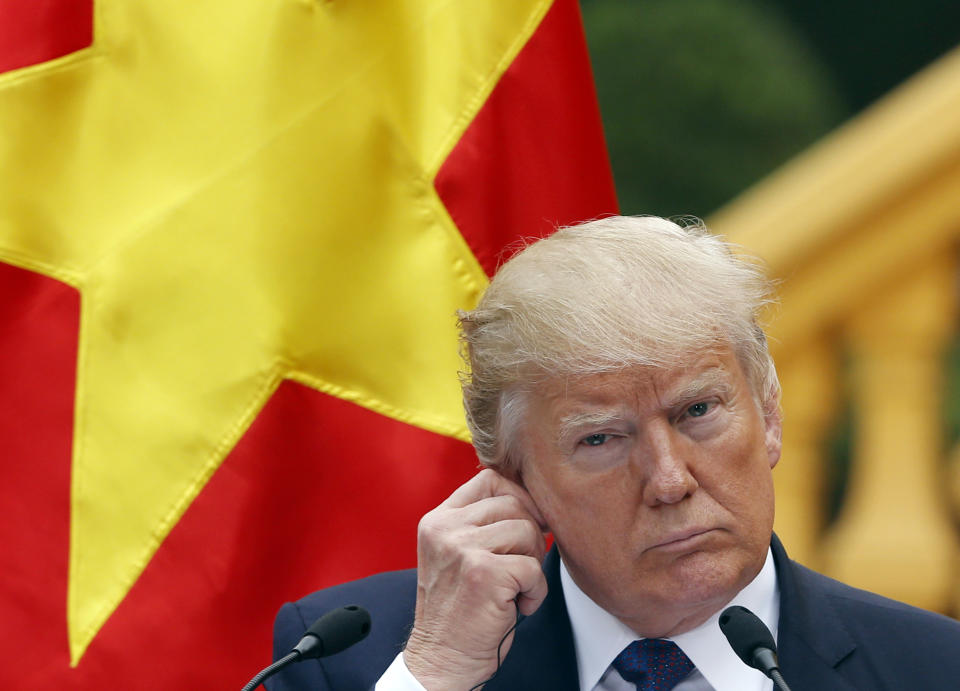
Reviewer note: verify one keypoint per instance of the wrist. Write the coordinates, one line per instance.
(438, 667)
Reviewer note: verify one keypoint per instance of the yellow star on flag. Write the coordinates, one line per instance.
(230, 186)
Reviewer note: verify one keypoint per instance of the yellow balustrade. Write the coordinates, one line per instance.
(862, 232)
(810, 401)
(894, 533)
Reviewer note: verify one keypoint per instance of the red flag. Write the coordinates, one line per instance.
(327, 476)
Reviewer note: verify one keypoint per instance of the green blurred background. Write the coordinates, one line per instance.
(702, 98)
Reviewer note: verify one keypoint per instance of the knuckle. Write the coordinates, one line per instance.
(515, 504)
(487, 474)
(431, 530)
(532, 572)
(509, 506)
(487, 481)
(533, 534)
(426, 526)
(475, 570)
(529, 529)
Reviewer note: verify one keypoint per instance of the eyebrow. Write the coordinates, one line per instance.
(713, 379)
(570, 424)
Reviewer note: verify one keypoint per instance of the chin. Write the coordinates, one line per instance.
(702, 578)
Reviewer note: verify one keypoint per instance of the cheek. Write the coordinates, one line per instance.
(736, 472)
(752, 497)
(744, 446)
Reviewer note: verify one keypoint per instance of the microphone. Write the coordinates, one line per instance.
(335, 631)
(752, 641)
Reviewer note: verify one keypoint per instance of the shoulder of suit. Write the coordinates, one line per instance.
(387, 590)
(872, 611)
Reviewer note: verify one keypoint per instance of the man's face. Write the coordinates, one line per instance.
(656, 484)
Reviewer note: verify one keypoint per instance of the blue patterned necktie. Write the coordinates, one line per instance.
(653, 664)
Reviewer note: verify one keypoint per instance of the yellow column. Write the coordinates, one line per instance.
(810, 395)
(894, 535)
(953, 485)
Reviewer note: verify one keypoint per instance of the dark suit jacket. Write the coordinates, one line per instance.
(831, 637)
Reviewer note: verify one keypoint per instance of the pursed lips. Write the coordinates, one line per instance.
(680, 539)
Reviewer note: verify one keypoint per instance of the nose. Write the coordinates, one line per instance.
(665, 469)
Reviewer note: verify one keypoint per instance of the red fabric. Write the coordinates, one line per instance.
(34, 31)
(318, 490)
(39, 319)
(534, 158)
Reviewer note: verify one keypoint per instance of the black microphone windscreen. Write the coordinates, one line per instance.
(337, 630)
(746, 633)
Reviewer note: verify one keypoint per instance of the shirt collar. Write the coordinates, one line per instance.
(599, 637)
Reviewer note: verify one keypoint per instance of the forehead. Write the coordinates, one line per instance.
(640, 386)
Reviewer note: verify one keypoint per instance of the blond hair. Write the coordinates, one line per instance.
(602, 296)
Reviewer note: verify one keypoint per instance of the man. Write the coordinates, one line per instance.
(621, 397)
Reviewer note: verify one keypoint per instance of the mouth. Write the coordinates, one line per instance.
(682, 540)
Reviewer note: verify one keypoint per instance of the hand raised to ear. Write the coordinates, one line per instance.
(478, 560)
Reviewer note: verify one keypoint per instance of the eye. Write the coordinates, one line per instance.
(595, 439)
(698, 409)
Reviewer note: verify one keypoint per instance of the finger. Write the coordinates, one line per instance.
(493, 509)
(486, 483)
(498, 525)
(515, 536)
(531, 584)
(489, 483)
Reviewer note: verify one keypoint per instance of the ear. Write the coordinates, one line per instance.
(514, 473)
(510, 466)
(506, 469)
(773, 423)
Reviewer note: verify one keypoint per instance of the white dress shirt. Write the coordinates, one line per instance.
(598, 638)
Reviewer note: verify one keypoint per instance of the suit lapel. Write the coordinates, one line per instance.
(542, 655)
(811, 639)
